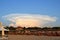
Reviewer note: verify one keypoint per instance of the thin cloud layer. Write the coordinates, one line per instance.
(29, 20)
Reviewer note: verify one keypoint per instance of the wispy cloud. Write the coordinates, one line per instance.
(29, 19)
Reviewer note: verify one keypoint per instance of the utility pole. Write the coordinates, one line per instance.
(2, 29)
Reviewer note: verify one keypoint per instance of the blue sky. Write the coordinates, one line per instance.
(43, 7)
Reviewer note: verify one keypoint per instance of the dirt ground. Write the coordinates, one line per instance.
(32, 37)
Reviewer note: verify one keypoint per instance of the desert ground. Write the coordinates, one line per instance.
(32, 37)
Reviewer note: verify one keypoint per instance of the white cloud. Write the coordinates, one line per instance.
(29, 19)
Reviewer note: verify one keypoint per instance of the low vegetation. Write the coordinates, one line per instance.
(54, 31)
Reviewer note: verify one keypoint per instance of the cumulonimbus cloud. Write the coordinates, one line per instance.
(29, 19)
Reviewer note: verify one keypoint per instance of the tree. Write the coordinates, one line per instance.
(11, 28)
(7, 27)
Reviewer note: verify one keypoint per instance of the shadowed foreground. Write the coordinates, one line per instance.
(32, 37)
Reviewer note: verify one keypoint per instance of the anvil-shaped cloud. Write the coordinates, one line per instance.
(29, 20)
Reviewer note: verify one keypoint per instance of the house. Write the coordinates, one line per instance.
(19, 28)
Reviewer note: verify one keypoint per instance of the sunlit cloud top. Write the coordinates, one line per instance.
(29, 20)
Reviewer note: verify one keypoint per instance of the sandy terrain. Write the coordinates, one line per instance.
(32, 37)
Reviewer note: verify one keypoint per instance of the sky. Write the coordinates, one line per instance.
(31, 12)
